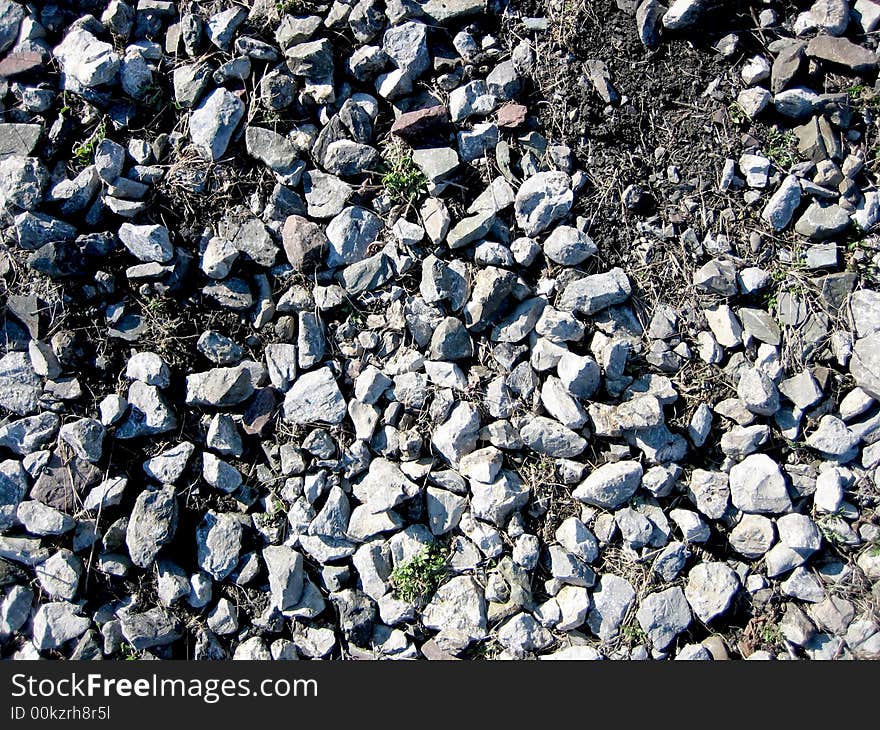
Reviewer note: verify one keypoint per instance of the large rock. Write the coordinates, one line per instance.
(218, 543)
(610, 485)
(612, 599)
(592, 294)
(757, 485)
(285, 568)
(315, 398)
(213, 122)
(22, 181)
(864, 365)
(457, 435)
(350, 234)
(458, 606)
(543, 199)
(219, 387)
(91, 62)
(664, 615)
(842, 52)
(710, 588)
(551, 438)
(57, 623)
(152, 524)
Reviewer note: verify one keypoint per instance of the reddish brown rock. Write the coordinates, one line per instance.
(412, 126)
(20, 62)
(304, 242)
(512, 115)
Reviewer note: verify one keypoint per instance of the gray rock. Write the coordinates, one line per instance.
(19, 139)
(865, 307)
(91, 62)
(219, 387)
(567, 246)
(610, 485)
(155, 627)
(213, 122)
(315, 398)
(781, 206)
(22, 181)
(407, 45)
(459, 606)
(864, 365)
(285, 568)
(218, 348)
(147, 242)
(758, 392)
(86, 437)
(59, 575)
(551, 438)
(219, 474)
(35, 230)
(562, 406)
(218, 542)
(710, 589)
(469, 100)
(149, 413)
(543, 199)
(276, 152)
(494, 502)
(190, 82)
(612, 598)
(347, 158)
(842, 52)
(350, 234)
(444, 510)
(13, 487)
(753, 536)
(683, 14)
(822, 221)
(648, 20)
(517, 325)
(55, 624)
(457, 435)
(663, 615)
(592, 294)
(151, 525)
(577, 539)
(221, 27)
(451, 341)
(832, 438)
(149, 368)
(326, 195)
(15, 607)
(757, 485)
(168, 466)
(11, 15)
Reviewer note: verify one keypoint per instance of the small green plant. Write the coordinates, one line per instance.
(781, 147)
(292, 7)
(85, 151)
(402, 179)
(129, 653)
(863, 97)
(770, 633)
(420, 575)
(633, 634)
(737, 114)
